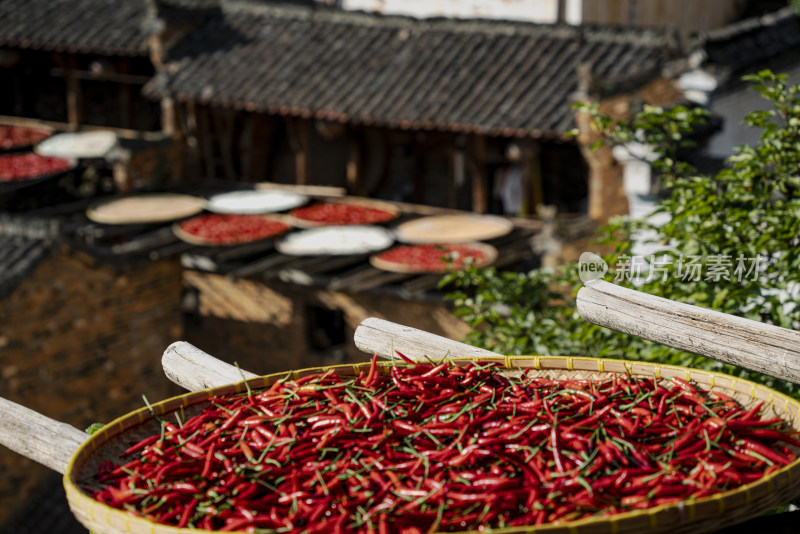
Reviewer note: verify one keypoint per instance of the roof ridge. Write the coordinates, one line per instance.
(749, 24)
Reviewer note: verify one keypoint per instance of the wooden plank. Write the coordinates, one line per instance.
(376, 336)
(760, 347)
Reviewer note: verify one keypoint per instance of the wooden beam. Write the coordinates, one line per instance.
(297, 131)
(122, 76)
(476, 155)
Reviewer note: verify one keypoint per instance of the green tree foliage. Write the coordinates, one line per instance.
(742, 226)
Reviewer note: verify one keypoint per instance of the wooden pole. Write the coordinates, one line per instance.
(192, 141)
(263, 136)
(246, 148)
(52, 443)
(383, 337)
(480, 177)
(192, 369)
(419, 171)
(205, 134)
(223, 125)
(760, 347)
(125, 96)
(74, 94)
(297, 131)
(355, 165)
(532, 194)
(168, 117)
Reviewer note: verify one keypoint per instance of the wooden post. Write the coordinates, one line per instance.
(480, 177)
(224, 124)
(125, 96)
(74, 95)
(532, 194)
(246, 148)
(297, 131)
(204, 133)
(355, 164)
(168, 116)
(263, 137)
(190, 119)
(457, 174)
(419, 171)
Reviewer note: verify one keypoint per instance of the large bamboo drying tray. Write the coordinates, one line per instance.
(702, 515)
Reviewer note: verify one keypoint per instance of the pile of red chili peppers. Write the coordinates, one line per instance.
(426, 447)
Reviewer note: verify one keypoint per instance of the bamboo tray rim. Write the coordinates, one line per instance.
(100, 513)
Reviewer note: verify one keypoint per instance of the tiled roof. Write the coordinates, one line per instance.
(109, 27)
(500, 78)
(750, 42)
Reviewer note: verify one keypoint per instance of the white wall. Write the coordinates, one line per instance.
(543, 11)
(685, 16)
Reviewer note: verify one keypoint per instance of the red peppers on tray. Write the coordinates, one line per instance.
(29, 165)
(335, 213)
(432, 258)
(220, 229)
(20, 136)
(420, 447)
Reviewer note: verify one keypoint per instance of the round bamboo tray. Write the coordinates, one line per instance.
(693, 516)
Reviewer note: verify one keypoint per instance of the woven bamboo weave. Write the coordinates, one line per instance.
(702, 515)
